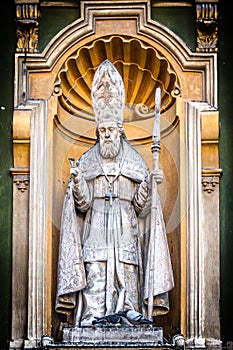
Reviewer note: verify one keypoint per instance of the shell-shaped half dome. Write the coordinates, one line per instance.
(141, 66)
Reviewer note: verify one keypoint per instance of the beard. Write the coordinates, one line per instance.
(110, 149)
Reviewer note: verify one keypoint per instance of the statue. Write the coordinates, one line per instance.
(104, 265)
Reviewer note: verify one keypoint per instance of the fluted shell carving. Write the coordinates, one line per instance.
(142, 68)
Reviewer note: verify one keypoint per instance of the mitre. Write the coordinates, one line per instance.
(108, 94)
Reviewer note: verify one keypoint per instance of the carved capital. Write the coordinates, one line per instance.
(207, 27)
(210, 179)
(27, 21)
(21, 178)
(209, 183)
(22, 182)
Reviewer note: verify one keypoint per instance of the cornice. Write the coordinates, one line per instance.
(28, 16)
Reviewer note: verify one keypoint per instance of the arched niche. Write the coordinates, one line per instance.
(53, 120)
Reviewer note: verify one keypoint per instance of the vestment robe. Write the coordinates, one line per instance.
(106, 244)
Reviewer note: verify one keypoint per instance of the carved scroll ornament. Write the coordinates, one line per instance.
(27, 20)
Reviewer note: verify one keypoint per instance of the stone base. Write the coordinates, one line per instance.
(113, 336)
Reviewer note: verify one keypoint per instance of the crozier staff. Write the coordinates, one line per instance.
(155, 148)
(104, 265)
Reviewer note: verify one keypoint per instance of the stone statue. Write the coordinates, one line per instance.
(104, 262)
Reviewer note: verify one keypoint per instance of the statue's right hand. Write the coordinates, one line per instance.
(75, 174)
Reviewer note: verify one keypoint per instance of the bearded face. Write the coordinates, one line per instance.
(109, 139)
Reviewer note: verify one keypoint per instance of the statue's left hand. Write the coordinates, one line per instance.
(157, 174)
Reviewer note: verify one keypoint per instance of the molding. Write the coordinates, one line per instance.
(211, 172)
(203, 247)
(59, 3)
(19, 171)
(171, 3)
(37, 222)
(194, 257)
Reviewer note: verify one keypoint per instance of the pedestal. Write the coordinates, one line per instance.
(136, 337)
(118, 336)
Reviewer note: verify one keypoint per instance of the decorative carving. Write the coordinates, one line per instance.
(207, 27)
(151, 67)
(27, 19)
(21, 178)
(209, 183)
(210, 179)
(22, 182)
(108, 93)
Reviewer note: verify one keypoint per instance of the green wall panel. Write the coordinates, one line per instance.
(180, 20)
(53, 20)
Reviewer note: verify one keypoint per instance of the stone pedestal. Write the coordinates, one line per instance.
(113, 336)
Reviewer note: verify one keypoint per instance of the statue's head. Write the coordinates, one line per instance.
(108, 98)
(109, 138)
